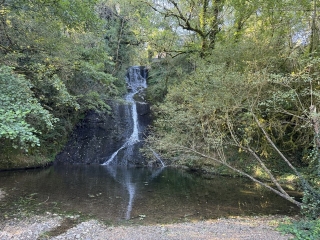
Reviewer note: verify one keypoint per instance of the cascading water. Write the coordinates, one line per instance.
(136, 82)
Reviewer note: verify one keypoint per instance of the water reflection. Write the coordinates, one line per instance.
(117, 193)
(124, 176)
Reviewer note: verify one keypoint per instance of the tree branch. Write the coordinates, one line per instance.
(301, 178)
(264, 167)
(285, 196)
(182, 20)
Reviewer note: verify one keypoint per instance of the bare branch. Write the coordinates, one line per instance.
(301, 178)
(264, 167)
(182, 20)
(285, 196)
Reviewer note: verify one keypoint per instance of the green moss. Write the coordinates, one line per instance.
(21, 161)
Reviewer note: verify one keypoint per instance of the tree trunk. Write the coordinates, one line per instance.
(315, 124)
(314, 38)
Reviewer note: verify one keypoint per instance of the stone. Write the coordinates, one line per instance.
(99, 135)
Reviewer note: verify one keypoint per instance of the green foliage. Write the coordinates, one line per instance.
(166, 73)
(250, 92)
(217, 110)
(59, 47)
(193, 116)
(49, 87)
(124, 35)
(302, 229)
(22, 118)
(272, 80)
(93, 101)
(311, 200)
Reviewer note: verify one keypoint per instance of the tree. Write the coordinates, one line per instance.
(251, 96)
(201, 19)
(58, 47)
(52, 42)
(124, 37)
(22, 118)
(315, 28)
(221, 117)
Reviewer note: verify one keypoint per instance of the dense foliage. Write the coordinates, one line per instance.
(248, 101)
(55, 66)
(302, 229)
(21, 115)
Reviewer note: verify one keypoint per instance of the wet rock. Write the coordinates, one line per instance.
(98, 136)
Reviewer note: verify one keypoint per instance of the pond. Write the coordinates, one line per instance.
(142, 195)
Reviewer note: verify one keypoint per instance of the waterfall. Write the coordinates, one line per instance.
(136, 82)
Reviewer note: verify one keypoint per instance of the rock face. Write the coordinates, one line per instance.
(98, 136)
(113, 138)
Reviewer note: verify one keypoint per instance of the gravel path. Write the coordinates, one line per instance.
(43, 227)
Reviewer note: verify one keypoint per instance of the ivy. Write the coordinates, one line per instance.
(303, 229)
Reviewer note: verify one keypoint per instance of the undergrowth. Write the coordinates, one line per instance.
(304, 229)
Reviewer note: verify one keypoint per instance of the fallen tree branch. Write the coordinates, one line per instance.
(278, 192)
(303, 181)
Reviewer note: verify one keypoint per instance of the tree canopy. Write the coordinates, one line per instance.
(241, 89)
(55, 53)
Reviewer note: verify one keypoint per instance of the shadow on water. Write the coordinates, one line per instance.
(143, 195)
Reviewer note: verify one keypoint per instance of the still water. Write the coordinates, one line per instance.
(141, 195)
